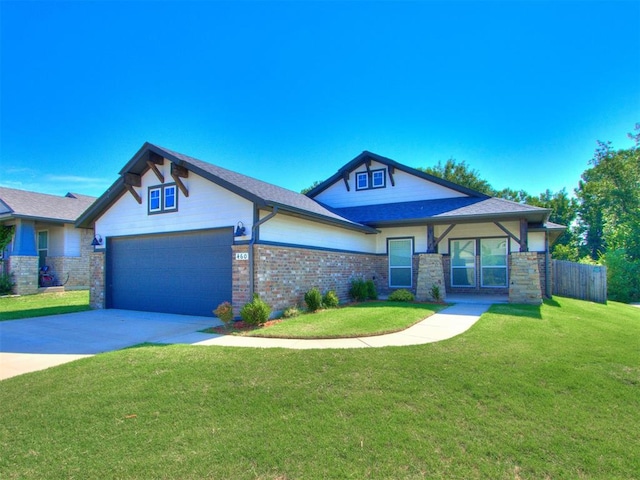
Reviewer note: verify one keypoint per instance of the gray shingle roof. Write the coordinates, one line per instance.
(449, 209)
(25, 204)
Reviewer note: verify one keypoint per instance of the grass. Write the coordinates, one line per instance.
(526, 393)
(357, 320)
(27, 306)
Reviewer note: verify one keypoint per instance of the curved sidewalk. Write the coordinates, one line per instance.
(445, 324)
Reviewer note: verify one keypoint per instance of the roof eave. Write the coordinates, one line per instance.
(441, 220)
(297, 212)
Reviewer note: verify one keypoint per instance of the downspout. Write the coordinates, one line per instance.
(547, 265)
(252, 242)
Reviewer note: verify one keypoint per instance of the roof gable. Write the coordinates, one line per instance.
(24, 204)
(366, 158)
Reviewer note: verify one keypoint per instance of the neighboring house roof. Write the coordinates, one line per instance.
(262, 193)
(366, 156)
(443, 210)
(41, 206)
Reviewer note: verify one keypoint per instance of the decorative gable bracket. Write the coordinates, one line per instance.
(132, 180)
(155, 159)
(177, 173)
(345, 177)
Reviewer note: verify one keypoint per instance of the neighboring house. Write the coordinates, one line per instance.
(44, 234)
(182, 235)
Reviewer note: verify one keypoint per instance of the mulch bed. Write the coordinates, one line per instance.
(237, 327)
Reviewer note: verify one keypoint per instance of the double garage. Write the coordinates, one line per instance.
(186, 273)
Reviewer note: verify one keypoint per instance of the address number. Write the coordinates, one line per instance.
(242, 256)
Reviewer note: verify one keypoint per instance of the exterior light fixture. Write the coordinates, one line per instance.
(97, 240)
(240, 230)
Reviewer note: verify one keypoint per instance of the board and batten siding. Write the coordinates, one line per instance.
(208, 206)
(289, 230)
(72, 240)
(408, 188)
(418, 233)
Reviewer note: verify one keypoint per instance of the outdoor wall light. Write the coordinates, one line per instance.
(240, 229)
(97, 240)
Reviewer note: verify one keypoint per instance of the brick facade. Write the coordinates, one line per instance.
(25, 274)
(97, 279)
(283, 274)
(74, 272)
(430, 273)
(524, 282)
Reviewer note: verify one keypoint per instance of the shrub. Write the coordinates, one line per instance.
(372, 294)
(224, 312)
(290, 312)
(313, 299)
(358, 290)
(256, 312)
(435, 292)
(6, 284)
(401, 295)
(330, 299)
(623, 276)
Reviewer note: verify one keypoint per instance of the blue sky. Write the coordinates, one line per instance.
(288, 92)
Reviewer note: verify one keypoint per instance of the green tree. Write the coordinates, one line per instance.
(460, 173)
(304, 191)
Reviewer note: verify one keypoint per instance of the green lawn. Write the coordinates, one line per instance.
(357, 320)
(526, 393)
(12, 308)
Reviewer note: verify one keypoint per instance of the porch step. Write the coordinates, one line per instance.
(50, 289)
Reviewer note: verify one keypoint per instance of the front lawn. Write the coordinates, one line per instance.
(27, 306)
(526, 393)
(357, 320)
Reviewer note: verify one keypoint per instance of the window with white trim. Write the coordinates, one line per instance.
(493, 262)
(43, 248)
(400, 251)
(362, 181)
(163, 199)
(378, 178)
(463, 262)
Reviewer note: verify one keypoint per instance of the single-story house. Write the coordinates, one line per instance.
(44, 234)
(180, 235)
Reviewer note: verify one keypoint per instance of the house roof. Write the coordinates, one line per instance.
(446, 210)
(41, 206)
(367, 156)
(263, 194)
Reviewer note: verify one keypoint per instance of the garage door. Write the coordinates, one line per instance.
(187, 273)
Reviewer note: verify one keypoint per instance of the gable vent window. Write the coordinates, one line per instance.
(163, 199)
(371, 180)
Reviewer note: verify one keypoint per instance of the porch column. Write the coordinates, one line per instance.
(24, 258)
(524, 281)
(430, 278)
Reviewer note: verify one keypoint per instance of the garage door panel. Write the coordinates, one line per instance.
(188, 272)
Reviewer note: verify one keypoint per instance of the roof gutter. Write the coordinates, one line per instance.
(254, 230)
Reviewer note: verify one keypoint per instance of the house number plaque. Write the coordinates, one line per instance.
(242, 256)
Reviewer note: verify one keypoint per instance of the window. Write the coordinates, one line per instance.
(377, 179)
(493, 262)
(163, 199)
(400, 262)
(154, 199)
(362, 181)
(463, 262)
(372, 179)
(43, 248)
(170, 197)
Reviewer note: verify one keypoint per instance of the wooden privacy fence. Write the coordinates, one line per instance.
(577, 280)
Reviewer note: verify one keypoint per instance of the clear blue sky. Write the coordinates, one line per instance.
(290, 91)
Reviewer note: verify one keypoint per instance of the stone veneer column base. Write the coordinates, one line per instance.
(524, 282)
(25, 274)
(96, 280)
(430, 273)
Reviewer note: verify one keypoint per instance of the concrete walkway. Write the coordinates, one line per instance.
(36, 344)
(447, 323)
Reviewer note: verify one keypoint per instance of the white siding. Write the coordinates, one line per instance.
(291, 230)
(56, 241)
(208, 206)
(72, 238)
(477, 230)
(407, 188)
(419, 234)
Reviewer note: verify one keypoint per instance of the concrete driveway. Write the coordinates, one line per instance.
(37, 343)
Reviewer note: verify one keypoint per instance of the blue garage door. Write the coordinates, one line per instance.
(187, 273)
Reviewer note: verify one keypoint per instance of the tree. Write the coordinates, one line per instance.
(304, 191)
(461, 174)
(609, 200)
